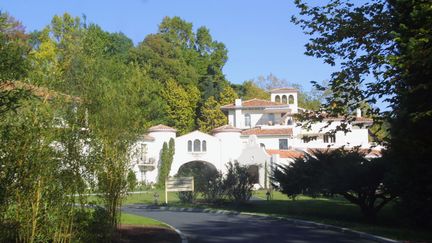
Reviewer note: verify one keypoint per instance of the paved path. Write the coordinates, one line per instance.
(210, 227)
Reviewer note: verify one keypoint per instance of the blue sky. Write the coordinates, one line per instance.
(258, 34)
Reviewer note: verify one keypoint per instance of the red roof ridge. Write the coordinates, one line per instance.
(161, 128)
(268, 132)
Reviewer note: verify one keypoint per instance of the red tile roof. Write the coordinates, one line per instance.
(226, 128)
(258, 103)
(268, 132)
(283, 90)
(367, 152)
(161, 128)
(286, 153)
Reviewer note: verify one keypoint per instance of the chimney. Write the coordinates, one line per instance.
(238, 102)
(358, 111)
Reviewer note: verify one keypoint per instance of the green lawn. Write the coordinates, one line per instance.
(334, 211)
(138, 220)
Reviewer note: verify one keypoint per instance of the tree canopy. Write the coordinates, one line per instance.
(382, 49)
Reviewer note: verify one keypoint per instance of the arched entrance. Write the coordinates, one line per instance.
(200, 170)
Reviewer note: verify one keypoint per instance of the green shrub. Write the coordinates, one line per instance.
(238, 183)
(132, 180)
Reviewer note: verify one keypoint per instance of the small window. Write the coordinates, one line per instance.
(204, 146)
(284, 99)
(189, 146)
(247, 120)
(283, 144)
(329, 138)
(197, 145)
(291, 99)
(290, 121)
(277, 99)
(271, 117)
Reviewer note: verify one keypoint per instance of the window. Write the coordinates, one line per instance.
(204, 146)
(247, 120)
(283, 144)
(329, 138)
(290, 121)
(189, 146)
(262, 145)
(291, 99)
(197, 145)
(277, 99)
(284, 99)
(271, 117)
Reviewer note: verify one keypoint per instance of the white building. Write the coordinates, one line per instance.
(258, 133)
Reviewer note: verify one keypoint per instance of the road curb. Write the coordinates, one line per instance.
(182, 236)
(359, 234)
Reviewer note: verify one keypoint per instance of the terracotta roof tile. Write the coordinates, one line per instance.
(161, 128)
(268, 132)
(255, 103)
(226, 128)
(367, 152)
(283, 90)
(286, 153)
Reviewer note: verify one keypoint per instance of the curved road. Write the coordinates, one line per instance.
(211, 227)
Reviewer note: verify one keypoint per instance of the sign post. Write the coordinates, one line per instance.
(178, 184)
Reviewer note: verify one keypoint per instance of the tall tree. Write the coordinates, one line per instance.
(14, 49)
(181, 105)
(383, 50)
(227, 96)
(211, 116)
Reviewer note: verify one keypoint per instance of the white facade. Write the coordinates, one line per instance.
(258, 133)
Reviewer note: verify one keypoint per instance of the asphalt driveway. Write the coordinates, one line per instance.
(211, 227)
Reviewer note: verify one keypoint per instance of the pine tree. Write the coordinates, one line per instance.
(211, 116)
(227, 96)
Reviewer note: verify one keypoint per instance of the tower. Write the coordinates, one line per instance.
(286, 96)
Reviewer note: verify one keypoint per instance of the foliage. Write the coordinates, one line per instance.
(238, 184)
(181, 105)
(131, 180)
(211, 116)
(166, 157)
(344, 172)
(14, 49)
(248, 90)
(383, 51)
(227, 96)
(213, 189)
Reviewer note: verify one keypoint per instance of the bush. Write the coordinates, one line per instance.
(92, 226)
(238, 183)
(132, 181)
(187, 197)
(213, 189)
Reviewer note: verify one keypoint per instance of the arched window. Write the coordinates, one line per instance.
(291, 99)
(284, 99)
(247, 120)
(189, 146)
(204, 146)
(277, 99)
(197, 145)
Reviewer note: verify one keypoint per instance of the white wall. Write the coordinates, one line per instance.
(231, 146)
(182, 155)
